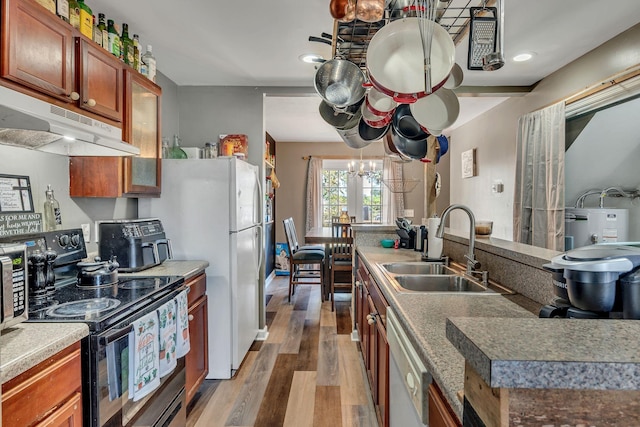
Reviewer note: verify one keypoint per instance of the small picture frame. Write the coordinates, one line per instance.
(15, 194)
(469, 163)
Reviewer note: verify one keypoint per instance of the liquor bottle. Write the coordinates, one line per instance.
(86, 19)
(50, 5)
(127, 45)
(97, 32)
(137, 54)
(62, 9)
(114, 39)
(52, 216)
(103, 28)
(74, 14)
(175, 152)
(150, 61)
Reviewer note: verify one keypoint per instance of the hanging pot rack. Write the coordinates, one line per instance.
(350, 40)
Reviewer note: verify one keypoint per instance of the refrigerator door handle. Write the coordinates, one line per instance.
(258, 211)
(259, 230)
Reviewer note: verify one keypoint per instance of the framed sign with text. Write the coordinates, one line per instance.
(15, 194)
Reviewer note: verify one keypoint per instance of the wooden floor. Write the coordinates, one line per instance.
(307, 373)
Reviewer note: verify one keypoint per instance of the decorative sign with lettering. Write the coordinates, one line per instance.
(15, 194)
(20, 223)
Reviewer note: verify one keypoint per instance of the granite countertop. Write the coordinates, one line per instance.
(424, 317)
(551, 353)
(172, 267)
(27, 344)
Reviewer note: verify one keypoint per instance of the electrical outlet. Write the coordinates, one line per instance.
(408, 213)
(86, 231)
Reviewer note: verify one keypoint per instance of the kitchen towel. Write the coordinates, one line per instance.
(168, 337)
(434, 244)
(144, 376)
(182, 345)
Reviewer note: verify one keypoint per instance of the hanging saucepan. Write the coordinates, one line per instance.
(438, 111)
(351, 137)
(395, 60)
(343, 10)
(339, 119)
(370, 10)
(368, 133)
(379, 103)
(443, 146)
(339, 82)
(392, 152)
(374, 120)
(455, 78)
(407, 135)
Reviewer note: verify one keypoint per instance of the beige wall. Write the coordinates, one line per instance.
(493, 134)
(291, 170)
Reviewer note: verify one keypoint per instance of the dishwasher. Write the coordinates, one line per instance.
(409, 379)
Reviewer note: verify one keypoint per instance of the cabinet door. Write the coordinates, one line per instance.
(100, 80)
(37, 49)
(197, 360)
(68, 415)
(439, 413)
(142, 173)
(382, 373)
(372, 352)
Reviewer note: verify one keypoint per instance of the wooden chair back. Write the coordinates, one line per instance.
(290, 232)
(341, 229)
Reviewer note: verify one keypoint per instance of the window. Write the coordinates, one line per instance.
(359, 196)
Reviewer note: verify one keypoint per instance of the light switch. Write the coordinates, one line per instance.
(497, 187)
(86, 232)
(408, 213)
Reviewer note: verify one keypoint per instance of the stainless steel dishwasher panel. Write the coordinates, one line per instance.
(408, 379)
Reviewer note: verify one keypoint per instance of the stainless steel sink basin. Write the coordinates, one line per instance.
(417, 268)
(440, 283)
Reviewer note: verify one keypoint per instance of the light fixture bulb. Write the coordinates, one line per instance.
(521, 57)
(311, 58)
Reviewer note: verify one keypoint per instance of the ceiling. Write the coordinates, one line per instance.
(257, 43)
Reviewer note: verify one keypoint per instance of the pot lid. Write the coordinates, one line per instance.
(599, 258)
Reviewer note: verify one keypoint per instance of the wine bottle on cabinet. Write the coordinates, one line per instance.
(103, 28)
(62, 9)
(97, 32)
(150, 61)
(127, 45)
(86, 19)
(136, 52)
(114, 39)
(74, 14)
(50, 5)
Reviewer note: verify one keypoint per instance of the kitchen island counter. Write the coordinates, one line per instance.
(25, 345)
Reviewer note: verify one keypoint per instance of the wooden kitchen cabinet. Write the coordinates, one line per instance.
(49, 394)
(440, 413)
(43, 53)
(197, 360)
(371, 313)
(137, 176)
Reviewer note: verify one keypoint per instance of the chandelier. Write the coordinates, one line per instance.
(361, 172)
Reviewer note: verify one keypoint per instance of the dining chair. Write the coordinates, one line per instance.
(306, 265)
(341, 261)
(290, 226)
(341, 229)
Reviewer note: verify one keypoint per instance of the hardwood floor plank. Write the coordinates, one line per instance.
(308, 351)
(301, 298)
(328, 365)
(300, 407)
(247, 404)
(325, 412)
(327, 317)
(217, 409)
(280, 325)
(315, 300)
(343, 317)
(291, 342)
(358, 416)
(278, 297)
(200, 400)
(272, 409)
(353, 389)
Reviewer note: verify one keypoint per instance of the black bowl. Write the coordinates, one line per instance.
(369, 133)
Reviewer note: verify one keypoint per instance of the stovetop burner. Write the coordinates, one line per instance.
(85, 308)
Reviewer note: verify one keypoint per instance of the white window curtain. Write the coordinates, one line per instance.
(393, 203)
(314, 194)
(538, 206)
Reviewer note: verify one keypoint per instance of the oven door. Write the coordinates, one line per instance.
(107, 391)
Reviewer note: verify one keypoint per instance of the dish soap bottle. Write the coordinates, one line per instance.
(175, 152)
(52, 215)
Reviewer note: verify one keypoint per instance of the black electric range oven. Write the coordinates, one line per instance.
(109, 312)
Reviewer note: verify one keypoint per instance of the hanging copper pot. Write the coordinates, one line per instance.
(370, 10)
(343, 10)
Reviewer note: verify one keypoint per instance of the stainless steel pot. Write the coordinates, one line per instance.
(340, 119)
(340, 82)
(352, 138)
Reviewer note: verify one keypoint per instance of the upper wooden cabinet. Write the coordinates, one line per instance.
(43, 53)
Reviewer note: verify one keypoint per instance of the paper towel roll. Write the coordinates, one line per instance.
(434, 248)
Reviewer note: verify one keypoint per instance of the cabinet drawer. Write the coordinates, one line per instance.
(35, 393)
(197, 288)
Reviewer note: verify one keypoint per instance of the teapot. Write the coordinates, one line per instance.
(98, 273)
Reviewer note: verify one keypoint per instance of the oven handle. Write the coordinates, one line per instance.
(116, 335)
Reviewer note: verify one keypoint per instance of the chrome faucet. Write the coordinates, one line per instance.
(472, 262)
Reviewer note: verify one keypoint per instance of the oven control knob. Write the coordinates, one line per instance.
(75, 240)
(63, 240)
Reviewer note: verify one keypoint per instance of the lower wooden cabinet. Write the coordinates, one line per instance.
(49, 394)
(197, 360)
(440, 413)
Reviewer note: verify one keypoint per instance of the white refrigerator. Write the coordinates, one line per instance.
(210, 209)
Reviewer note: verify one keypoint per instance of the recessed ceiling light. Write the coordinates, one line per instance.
(310, 58)
(525, 56)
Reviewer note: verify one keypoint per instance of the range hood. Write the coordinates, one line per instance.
(31, 123)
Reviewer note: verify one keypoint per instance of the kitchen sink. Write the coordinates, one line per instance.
(418, 268)
(441, 283)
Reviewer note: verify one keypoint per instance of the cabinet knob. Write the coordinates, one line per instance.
(190, 317)
(371, 319)
(90, 102)
(74, 96)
